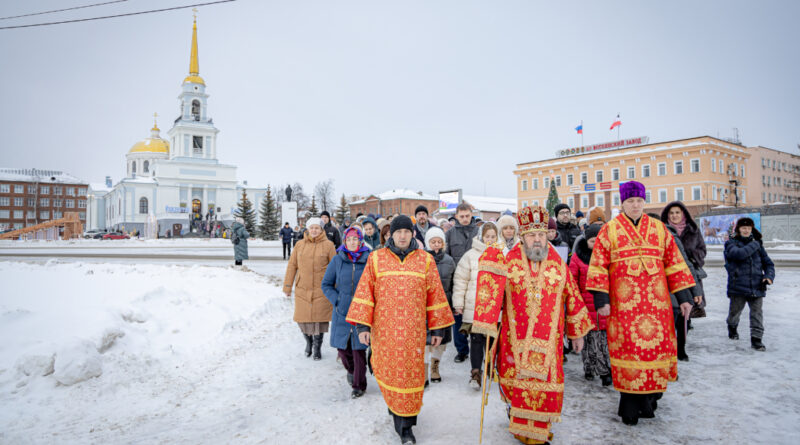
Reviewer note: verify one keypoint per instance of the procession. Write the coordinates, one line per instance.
(399, 222)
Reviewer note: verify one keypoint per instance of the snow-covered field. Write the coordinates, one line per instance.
(154, 353)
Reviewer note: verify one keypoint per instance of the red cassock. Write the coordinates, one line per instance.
(530, 300)
(639, 267)
(400, 300)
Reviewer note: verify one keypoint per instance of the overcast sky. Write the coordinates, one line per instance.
(427, 95)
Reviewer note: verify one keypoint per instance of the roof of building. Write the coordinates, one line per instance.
(153, 144)
(399, 194)
(36, 175)
(99, 187)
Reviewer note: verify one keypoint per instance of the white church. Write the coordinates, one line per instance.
(175, 181)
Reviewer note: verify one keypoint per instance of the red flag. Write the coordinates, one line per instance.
(616, 123)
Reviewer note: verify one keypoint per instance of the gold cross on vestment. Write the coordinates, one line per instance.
(516, 273)
(552, 276)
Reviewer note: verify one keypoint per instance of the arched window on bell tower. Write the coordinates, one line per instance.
(146, 167)
(133, 167)
(196, 110)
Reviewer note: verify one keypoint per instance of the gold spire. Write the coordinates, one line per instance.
(155, 122)
(194, 64)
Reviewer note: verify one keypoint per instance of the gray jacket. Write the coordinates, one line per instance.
(458, 240)
(240, 233)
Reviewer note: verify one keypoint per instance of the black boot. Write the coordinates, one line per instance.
(407, 437)
(588, 376)
(317, 346)
(606, 379)
(756, 344)
(308, 344)
(630, 420)
(732, 334)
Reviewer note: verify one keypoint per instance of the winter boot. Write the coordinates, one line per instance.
(407, 437)
(460, 358)
(588, 376)
(435, 377)
(732, 334)
(475, 380)
(630, 420)
(350, 379)
(606, 379)
(756, 344)
(309, 340)
(356, 393)
(427, 382)
(317, 346)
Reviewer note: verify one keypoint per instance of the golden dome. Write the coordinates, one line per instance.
(152, 145)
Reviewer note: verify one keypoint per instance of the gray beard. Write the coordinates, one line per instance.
(535, 254)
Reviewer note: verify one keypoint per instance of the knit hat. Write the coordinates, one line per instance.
(559, 207)
(597, 214)
(579, 214)
(551, 225)
(325, 213)
(631, 189)
(592, 231)
(314, 222)
(401, 222)
(433, 232)
(421, 208)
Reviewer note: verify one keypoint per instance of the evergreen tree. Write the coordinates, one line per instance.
(247, 213)
(342, 211)
(270, 225)
(552, 198)
(313, 211)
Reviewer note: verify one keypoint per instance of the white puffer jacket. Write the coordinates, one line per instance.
(465, 280)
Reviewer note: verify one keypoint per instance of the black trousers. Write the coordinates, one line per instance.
(287, 246)
(637, 405)
(401, 423)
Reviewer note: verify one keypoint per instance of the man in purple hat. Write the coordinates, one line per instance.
(635, 266)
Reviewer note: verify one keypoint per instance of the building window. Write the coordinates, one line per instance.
(57, 190)
(678, 167)
(44, 202)
(5, 201)
(598, 176)
(570, 179)
(31, 202)
(584, 178)
(585, 202)
(5, 188)
(45, 189)
(58, 215)
(631, 172)
(615, 174)
(18, 214)
(44, 214)
(196, 110)
(81, 203)
(571, 202)
(82, 215)
(695, 166)
(546, 182)
(615, 199)
(31, 190)
(662, 195)
(142, 206)
(146, 167)
(4, 214)
(524, 204)
(696, 195)
(17, 202)
(721, 166)
(524, 185)
(70, 203)
(599, 201)
(646, 171)
(662, 169)
(56, 203)
(741, 170)
(647, 197)
(764, 196)
(744, 196)
(70, 191)
(535, 183)
(197, 144)
(19, 189)
(713, 192)
(678, 194)
(133, 167)
(713, 165)
(558, 181)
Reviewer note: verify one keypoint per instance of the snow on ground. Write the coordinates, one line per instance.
(153, 353)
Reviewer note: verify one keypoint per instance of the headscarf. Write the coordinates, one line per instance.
(354, 255)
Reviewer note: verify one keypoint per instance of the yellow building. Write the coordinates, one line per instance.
(702, 172)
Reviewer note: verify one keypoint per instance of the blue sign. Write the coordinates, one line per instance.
(170, 209)
(588, 187)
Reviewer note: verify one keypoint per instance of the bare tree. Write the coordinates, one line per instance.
(299, 196)
(323, 191)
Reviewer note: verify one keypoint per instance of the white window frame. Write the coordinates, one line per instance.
(5, 201)
(648, 197)
(558, 180)
(741, 170)
(584, 177)
(547, 182)
(675, 165)
(535, 183)
(721, 164)
(5, 188)
(600, 200)
(584, 202)
(19, 214)
(662, 195)
(524, 185)
(660, 165)
(19, 202)
(646, 168)
(682, 194)
(570, 179)
(615, 198)
(524, 204)
(713, 165)
(631, 172)
(697, 193)
(571, 202)
(692, 163)
(5, 214)
(598, 176)
(615, 174)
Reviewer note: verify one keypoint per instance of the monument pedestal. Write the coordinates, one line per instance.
(289, 214)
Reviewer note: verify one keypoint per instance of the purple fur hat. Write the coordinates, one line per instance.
(631, 189)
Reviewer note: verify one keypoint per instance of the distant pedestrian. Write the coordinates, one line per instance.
(286, 236)
(297, 235)
(435, 244)
(330, 230)
(422, 224)
(458, 241)
(239, 237)
(750, 271)
(372, 236)
(569, 231)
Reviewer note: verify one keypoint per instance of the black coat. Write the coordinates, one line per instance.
(569, 233)
(691, 237)
(287, 234)
(747, 264)
(447, 268)
(333, 234)
(459, 239)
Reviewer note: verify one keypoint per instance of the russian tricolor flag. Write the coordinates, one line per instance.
(579, 128)
(616, 123)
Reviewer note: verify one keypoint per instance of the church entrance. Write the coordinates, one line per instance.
(197, 215)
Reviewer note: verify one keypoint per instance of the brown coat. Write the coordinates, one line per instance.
(310, 258)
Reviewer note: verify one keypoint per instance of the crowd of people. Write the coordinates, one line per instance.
(515, 296)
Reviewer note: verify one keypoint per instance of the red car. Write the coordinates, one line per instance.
(115, 235)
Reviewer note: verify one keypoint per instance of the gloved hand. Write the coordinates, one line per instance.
(466, 328)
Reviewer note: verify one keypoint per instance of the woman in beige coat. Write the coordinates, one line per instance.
(465, 287)
(312, 311)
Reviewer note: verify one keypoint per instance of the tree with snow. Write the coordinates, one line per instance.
(552, 198)
(342, 211)
(268, 213)
(245, 210)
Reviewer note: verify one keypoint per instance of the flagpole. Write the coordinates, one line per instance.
(581, 132)
(619, 127)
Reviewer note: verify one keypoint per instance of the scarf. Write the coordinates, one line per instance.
(353, 255)
(681, 225)
(402, 254)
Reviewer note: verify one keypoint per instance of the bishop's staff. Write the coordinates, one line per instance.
(488, 367)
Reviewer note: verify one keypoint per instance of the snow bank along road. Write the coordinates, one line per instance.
(151, 353)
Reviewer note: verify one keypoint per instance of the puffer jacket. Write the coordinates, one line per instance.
(459, 238)
(339, 286)
(465, 280)
(240, 249)
(747, 264)
(580, 271)
(309, 260)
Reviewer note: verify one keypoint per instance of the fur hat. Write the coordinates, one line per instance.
(382, 222)
(434, 232)
(551, 225)
(592, 231)
(597, 214)
(744, 222)
(532, 219)
(401, 222)
(507, 220)
(314, 222)
(421, 208)
(631, 189)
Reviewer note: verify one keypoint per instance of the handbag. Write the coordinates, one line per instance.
(697, 312)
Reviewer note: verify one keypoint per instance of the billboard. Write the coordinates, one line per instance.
(449, 200)
(716, 229)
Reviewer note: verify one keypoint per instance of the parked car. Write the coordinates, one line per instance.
(93, 234)
(116, 235)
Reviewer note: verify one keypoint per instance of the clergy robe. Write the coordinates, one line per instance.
(400, 301)
(531, 298)
(638, 267)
